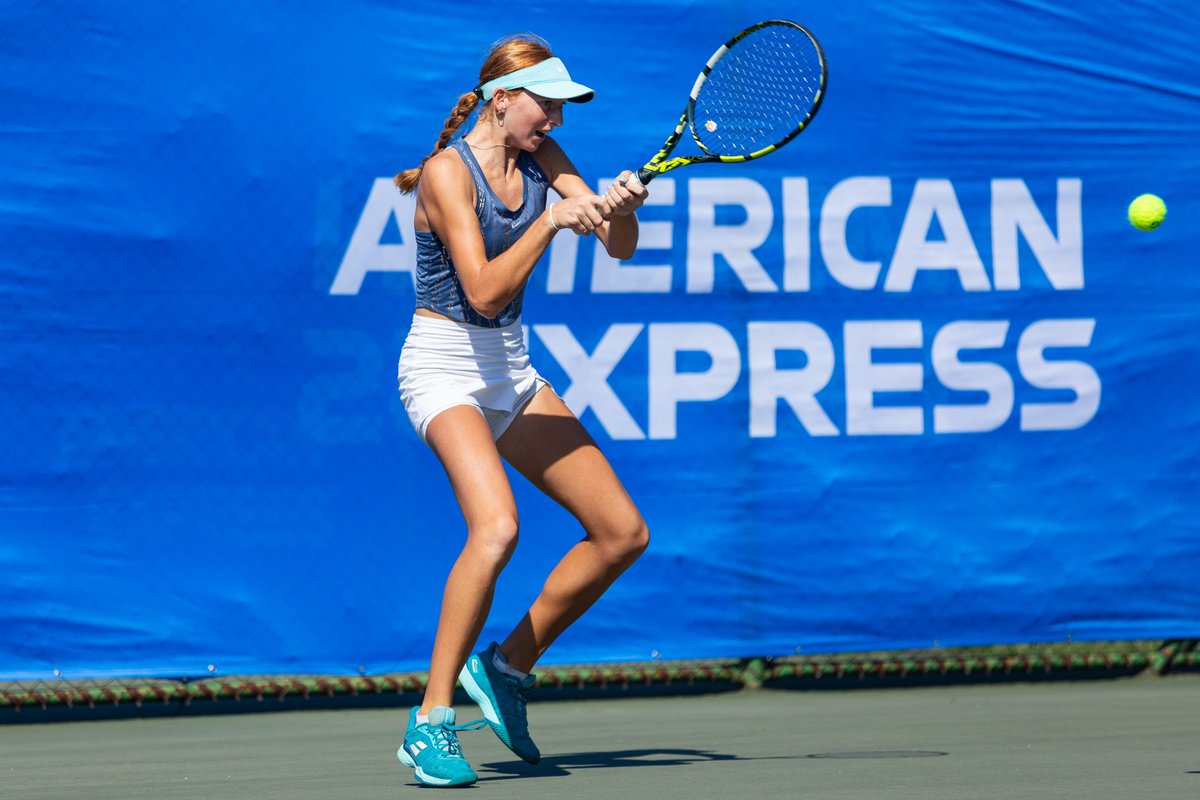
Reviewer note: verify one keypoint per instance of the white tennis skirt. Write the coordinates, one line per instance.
(445, 364)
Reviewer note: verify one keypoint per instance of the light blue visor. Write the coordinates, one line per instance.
(548, 78)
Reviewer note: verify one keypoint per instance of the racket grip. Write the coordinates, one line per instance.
(642, 176)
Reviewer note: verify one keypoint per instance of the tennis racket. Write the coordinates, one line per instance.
(756, 93)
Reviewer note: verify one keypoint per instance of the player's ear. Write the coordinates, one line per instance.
(500, 100)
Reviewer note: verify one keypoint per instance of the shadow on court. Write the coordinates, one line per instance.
(565, 764)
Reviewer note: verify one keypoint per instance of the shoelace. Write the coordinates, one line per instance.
(445, 737)
(520, 694)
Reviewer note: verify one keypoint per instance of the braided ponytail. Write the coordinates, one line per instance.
(407, 180)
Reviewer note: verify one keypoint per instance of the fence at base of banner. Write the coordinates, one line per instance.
(45, 701)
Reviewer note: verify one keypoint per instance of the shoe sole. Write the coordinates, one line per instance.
(423, 776)
(490, 712)
(480, 696)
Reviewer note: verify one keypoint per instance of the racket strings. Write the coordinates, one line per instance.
(761, 91)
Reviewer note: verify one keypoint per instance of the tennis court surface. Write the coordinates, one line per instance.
(1130, 737)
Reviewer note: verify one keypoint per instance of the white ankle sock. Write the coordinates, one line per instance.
(501, 663)
(422, 719)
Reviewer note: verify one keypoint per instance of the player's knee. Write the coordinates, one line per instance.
(628, 540)
(494, 539)
(640, 540)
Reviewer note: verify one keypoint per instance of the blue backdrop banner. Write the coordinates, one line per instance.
(912, 380)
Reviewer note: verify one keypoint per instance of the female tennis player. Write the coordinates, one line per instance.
(482, 223)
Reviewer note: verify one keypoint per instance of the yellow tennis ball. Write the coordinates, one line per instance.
(1147, 211)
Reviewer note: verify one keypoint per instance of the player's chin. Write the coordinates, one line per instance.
(536, 140)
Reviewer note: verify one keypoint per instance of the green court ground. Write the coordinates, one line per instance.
(1122, 738)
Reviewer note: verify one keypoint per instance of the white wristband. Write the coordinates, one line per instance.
(553, 225)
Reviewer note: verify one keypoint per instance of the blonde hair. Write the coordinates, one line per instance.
(507, 55)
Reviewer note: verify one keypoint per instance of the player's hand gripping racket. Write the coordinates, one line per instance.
(756, 93)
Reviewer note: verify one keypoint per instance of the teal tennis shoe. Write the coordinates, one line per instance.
(432, 749)
(502, 699)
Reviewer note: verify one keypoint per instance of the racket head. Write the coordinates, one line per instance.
(758, 91)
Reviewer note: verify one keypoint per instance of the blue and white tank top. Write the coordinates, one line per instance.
(438, 287)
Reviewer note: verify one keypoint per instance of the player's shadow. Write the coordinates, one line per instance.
(557, 765)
